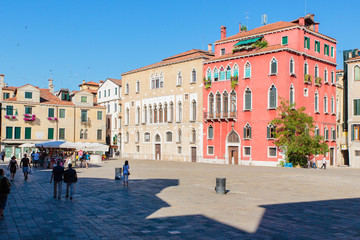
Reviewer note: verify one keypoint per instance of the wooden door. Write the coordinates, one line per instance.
(193, 154)
(234, 155)
(158, 151)
(331, 156)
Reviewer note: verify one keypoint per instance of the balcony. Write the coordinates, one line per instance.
(85, 121)
(307, 79)
(220, 116)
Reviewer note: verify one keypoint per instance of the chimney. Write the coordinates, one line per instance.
(51, 86)
(316, 27)
(223, 32)
(2, 80)
(83, 82)
(302, 21)
(210, 47)
(239, 27)
(350, 55)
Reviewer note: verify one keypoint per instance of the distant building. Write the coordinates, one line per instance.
(341, 140)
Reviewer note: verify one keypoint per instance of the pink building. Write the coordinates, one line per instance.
(250, 72)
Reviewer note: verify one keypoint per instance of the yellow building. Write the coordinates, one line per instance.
(34, 114)
(162, 109)
(341, 141)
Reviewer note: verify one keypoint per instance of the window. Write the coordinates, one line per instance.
(127, 116)
(225, 104)
(99, 115)
(17, 134)
(168, 136)
(210, 150)
(273, 66)
(116, 91)
(306, 68)
(247, 70)
(247, 99)
(211, 105)
(179, 112)
(292, 95)
(270, 131)
(165, 113)
(357, 153)
(83, 99)
(127, 137)
(292, 66)
(317, 131)
(357, 73)
(109, 92)
(332, 52)
(28, 110)
(355, 133)
(51, 112)
(179, 136)
(179, 150)
(157, 138)
(179, 79)
(28, 95)
(325, 104)
(306, 92)
(144, 120)
(28, 133)
(216, 74)
(146, 137)
(284, 40)
(233, 104)
(317, 46)
(316, 99)
(222, 74)
(127, 88)
(218, 105)
(316, 71)
(332, 105)
(193, 76)
(137, 137)
(326, 134)
(247, 151)
(160, 113)
(332, 77)
(222, 51)
(326, 76)
(193, 110)
(137, 86)
(306, 42)
(272, 151)
(9, 132)
(357, 107)
(155, 115)
(104, 93)
(150, 114)
(115, 107)
(247, 131)
(272, 97)
(326, 50)
(193, 135)
(9, 110)
(208, 74)
(236, 70)
(84, 117)
(65, 96)
(228, 73)
(6, 95)
(61, 113)
(138, 115)
(161, 80)
(81, 134)
(99, 134)
(50, 133)
(210, 132)
(138, 148)
(333, 134)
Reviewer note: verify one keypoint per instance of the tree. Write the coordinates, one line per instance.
(244, 28)
(295, 132)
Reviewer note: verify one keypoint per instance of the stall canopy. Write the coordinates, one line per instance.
(92, 147)
(56, 144)
(27, 145)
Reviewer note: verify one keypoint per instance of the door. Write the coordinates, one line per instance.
(234, 155)
(193, 154)
(331, 156)
(158, 151)
(18, 153)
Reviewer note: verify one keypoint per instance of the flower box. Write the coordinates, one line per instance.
(10, 116)
(29, 117)
(52, 118)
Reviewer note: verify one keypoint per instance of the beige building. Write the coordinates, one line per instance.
(341, 137)
(35, 114)
(162, 109)
(353, 66)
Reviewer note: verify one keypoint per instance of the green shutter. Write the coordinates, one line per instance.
(50, 133)
(9, 132)
(50, 112)
(17, 132)
(61, 113)
(268, 132)
(244, 132)
(284, 40)
(332, 51)
(62, 133)
(249, 132)
(28, 133)
(9, 110)
(304, 42)
(247, 101)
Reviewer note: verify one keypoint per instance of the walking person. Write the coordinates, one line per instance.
(2, 155)
(25, 165)
(87, 159)
(126, 173)
(314, 164)
(4, 192)
(36, 158)
(323, 164)
(13, 166)
(57, 174)
(70, 178)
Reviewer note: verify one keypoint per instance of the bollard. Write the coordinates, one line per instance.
(118, 173)
(220, 185)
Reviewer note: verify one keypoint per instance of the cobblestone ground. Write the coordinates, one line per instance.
(172, 200)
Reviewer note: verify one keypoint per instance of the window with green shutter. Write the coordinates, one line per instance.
(357, 107)
(28, 95)
(326, 49)
(50, 133)
(61, 113)
(99, 115)
(28, 110)
(247, 99)
(84, 98)
(6, 95)
(284, 40)
(307, 42)
(332, 52)
(99, 134)
(62, 133)
(28, 133)
(84, 117)
(9, 132)
(247, 131)
(17, 132)
(272, 97)
(317, 46)
(9, 110)
(50, 112)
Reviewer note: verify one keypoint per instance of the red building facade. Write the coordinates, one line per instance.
(249, 74)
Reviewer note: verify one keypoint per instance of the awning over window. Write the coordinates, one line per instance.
(247, 41)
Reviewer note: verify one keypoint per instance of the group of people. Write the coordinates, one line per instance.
(25, 164)
(69, 176)
(312, 164)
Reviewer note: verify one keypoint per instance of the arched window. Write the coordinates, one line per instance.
(292, 66)
(332, 77)
(208, 74)
(179, 136)
(193, 76)
(233, 104)
(325, 104)
(357, 73)
(193, 135)
(317, 131)
(161, 80)
(332, 105)
(316, 99)
(145, 114)
(165, 113)
(236, 70)
(171, 112)
(247, 70)
(272, 97)
(216, 74)
(247, 99)
(147, 137)
(292, 95)
(326, 134)
(81, 134)
(160, 114)
(222, 74)
(150, 114)
(316, 71)
(179, 112)
(138, 115)
(127, 116)
(127, 88)
(228, 73)
(155, 114)
(193, 110)
(273, 66)
(247, 131)
(225, 104)
(157, 81)
(270, 131)
(325, 76)
(127, 137)
(210, 132)
(137, 137)
(157, 138)
(211, 105)
(168, 136)
(179, 79)
(218, 105)
(306, 68)
(137, 86)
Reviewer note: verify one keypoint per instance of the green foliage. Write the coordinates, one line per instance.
(244, 28)
(295, 132)
(234, 82)
(207, 82)
(318, 81)
(260, 44)
(307, 78)
(281, 163)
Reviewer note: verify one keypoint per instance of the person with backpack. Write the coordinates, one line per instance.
(70, 178)
(13, 166)
(4, 192)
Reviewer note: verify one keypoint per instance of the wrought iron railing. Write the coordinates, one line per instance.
(220, 115)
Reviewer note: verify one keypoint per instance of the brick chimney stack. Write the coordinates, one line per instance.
(2, 80)
(316, 27)
(51, 86)
(223, 32)
(239, 27)
(302, 21)
(210, 47)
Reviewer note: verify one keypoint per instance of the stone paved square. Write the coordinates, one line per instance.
(176, 200)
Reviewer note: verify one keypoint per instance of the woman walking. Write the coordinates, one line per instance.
(13, 166)
(126, 173)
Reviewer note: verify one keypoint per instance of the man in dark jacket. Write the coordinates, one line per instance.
(57, 174)
(70, 178)
(4, 191)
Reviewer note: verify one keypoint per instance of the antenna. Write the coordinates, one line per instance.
(305, 7)
(247, 19)
(264, 19)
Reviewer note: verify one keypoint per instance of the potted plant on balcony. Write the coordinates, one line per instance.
(52, 118)
(307, 79)
(234, 82)
(207, 82)
(318, 81)
(29, 117)
(10, 116)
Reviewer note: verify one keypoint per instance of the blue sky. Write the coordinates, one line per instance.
(71, 41)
